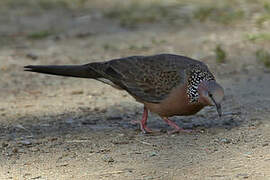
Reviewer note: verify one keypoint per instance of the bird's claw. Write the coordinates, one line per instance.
(143, 127)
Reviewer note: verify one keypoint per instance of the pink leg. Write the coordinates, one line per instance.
(175, 126)
(143, 122)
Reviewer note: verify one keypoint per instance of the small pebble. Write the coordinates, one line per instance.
(34, 149)
(69, 120)
(225, 141)
(4, 144)
(112, 118)
(107, 159)
(76, 92)
(25, 142)
(26, 174)
(153, 154)
(62, 164)
(15, 150)
(32, 56)
(37, 177)
(242, 175)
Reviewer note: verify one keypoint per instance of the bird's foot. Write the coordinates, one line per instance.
(143, 127)
(177, 129)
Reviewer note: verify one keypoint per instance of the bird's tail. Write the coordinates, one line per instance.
(81, 71)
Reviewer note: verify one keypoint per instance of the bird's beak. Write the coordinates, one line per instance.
(218, 106)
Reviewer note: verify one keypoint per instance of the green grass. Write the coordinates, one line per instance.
(263, 57)
(139, 48)
(109, 47)
(41, 4)
(140, 13)
(220, 54)
(258, 37)
(158, 41)
(203, 13)
(262, 19)
(266, 7)
(265, 15)
(39, 35)
(224, 14)
(46, 5)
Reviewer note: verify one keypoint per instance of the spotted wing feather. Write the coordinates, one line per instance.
(147, 78)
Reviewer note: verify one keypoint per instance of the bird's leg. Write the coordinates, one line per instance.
(175, 126)
(143, 122)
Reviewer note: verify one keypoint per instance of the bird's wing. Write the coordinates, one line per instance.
(148, 78)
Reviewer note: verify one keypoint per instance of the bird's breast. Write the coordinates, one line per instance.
(176, 104)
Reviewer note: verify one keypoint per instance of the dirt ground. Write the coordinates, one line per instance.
(67, 128)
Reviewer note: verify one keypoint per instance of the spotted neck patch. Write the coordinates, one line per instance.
(196, 76)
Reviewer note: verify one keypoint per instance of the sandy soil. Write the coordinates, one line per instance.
(68, 128)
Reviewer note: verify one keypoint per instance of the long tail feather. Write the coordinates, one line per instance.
(81, 71)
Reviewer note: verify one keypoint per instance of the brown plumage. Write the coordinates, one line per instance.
(166, 84)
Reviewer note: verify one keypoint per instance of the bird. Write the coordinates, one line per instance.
(166, 84)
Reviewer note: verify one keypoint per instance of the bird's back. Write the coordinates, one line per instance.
(149, 78)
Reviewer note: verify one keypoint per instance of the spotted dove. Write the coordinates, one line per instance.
(166, 84)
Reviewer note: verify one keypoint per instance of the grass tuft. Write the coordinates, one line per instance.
(139, 48)
(220, 54)
(259, 37)
(39, 35)
(203, 13)
(40, 4)
(223, 15)
(108, 46)
(263, 57)
(264, 15)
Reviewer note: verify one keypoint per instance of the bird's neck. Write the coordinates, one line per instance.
(197, 77)
(203, 89)
(197, 90)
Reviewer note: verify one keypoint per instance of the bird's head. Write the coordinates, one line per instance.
(211, 94)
